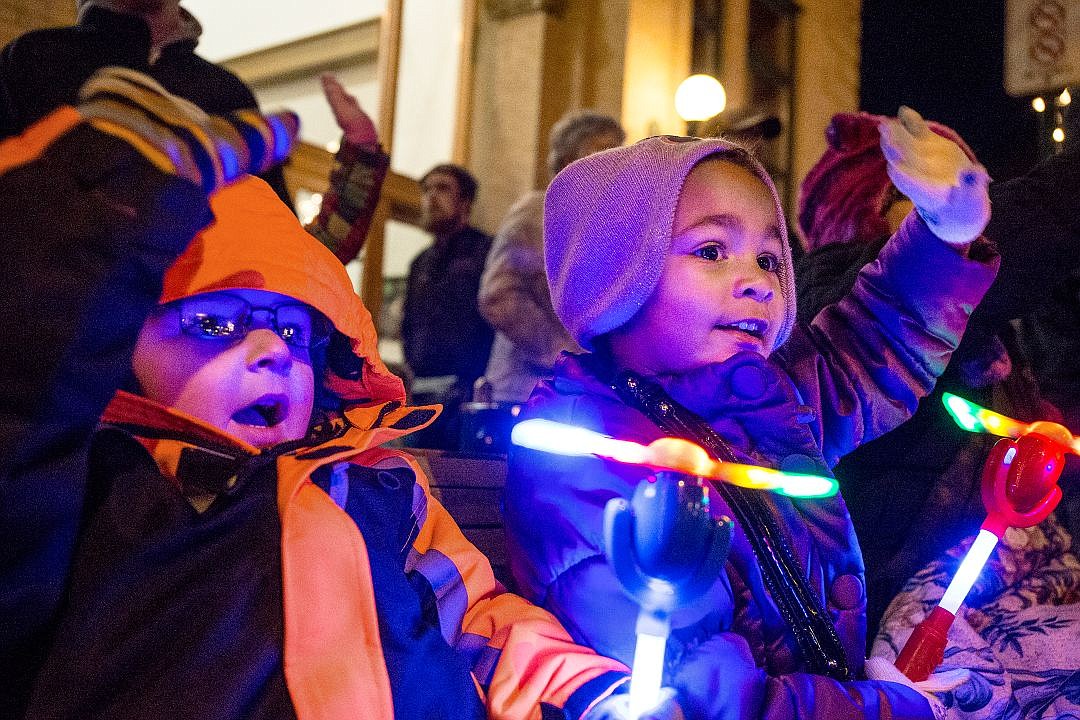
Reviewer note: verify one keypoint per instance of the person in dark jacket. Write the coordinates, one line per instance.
(44, 69)
(848, 208)
(446, 339)
(197, 518)
(668, 260)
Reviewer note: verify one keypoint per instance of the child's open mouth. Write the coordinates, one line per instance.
(753, 327)
(267, 411)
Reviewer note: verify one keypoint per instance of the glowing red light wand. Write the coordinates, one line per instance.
(1019, 489)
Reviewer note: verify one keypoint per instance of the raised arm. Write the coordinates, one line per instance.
(356, 180)
(95, 202)
(863, 363)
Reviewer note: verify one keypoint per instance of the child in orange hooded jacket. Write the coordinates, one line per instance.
(224, 538)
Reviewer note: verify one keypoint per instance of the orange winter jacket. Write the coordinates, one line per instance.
(519, 656)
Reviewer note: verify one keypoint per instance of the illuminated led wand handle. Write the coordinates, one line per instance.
(1019, 489)
(667, 551)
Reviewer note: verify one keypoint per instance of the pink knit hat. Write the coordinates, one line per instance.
(608, 220)
(845, 195)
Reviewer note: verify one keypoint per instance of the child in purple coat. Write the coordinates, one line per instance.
(668, 261)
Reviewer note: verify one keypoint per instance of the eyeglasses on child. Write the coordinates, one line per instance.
(222, 316)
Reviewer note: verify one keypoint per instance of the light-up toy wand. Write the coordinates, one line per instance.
(666, 453)
(664, 546)
(1019, 489)
(667, 551)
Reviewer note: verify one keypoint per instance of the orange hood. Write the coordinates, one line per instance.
(256, 243)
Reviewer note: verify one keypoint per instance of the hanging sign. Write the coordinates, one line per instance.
(1042, 46)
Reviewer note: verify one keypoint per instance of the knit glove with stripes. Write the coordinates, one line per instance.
(178, 137)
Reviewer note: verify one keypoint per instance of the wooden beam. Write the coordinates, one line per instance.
(387, 71)
(308, 167)
(401, 194)
(466, 63)
(371, 280)
(350, 45)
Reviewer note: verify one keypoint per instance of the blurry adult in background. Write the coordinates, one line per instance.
(914, 492)
(514, 294)
(1052, 332)
(446, 340)
(43, 69)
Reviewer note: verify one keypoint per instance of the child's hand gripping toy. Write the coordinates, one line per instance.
(1019, 489)
(663, 545)
(667, 551)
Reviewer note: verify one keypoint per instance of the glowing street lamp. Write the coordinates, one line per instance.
(700, 97)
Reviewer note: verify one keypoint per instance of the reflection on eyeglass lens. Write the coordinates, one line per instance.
(221, 316)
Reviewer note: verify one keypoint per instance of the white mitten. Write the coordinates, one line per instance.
(617, 707)
(879, 668)
(948, 189)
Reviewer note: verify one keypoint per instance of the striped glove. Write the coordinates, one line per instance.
(178, 137)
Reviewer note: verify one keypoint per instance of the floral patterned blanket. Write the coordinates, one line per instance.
(1018, 633)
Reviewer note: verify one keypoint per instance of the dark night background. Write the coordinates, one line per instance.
(945, 59)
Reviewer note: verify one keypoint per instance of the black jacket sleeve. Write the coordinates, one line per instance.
(89, 229)
(1035, 223)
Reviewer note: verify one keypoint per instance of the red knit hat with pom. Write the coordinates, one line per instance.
(845, 195)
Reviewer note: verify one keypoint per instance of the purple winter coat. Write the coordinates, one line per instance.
(853, 373)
